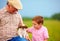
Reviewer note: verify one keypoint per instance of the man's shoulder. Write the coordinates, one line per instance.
(2, 10)
(18, 14)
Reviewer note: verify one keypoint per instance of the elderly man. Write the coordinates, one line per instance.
(10, 20)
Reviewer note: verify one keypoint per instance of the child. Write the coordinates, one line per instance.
(22, 32)
(39, 32)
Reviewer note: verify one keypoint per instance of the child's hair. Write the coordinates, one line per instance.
(38, 19)
(23, 27)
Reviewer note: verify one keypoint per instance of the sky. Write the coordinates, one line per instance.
(31, 8)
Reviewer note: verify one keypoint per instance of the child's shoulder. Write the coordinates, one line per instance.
(44, 27)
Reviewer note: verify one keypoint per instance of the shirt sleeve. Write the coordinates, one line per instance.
(30, 30)
(21, 21)
(46, 33)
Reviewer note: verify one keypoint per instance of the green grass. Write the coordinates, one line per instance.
(53, 27)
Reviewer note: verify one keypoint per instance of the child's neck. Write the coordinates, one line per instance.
(38, 28)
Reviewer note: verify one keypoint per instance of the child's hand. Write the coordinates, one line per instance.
(27, 37)
(29, 40)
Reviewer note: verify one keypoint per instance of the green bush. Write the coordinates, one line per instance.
(56, 16)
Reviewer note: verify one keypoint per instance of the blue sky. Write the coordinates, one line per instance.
(32, 8)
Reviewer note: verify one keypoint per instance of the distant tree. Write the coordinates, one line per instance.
(56, 16)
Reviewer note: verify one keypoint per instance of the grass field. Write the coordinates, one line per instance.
(53, 27)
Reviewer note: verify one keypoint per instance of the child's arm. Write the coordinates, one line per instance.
(29, 30)
(27, 37)
(46, 36)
